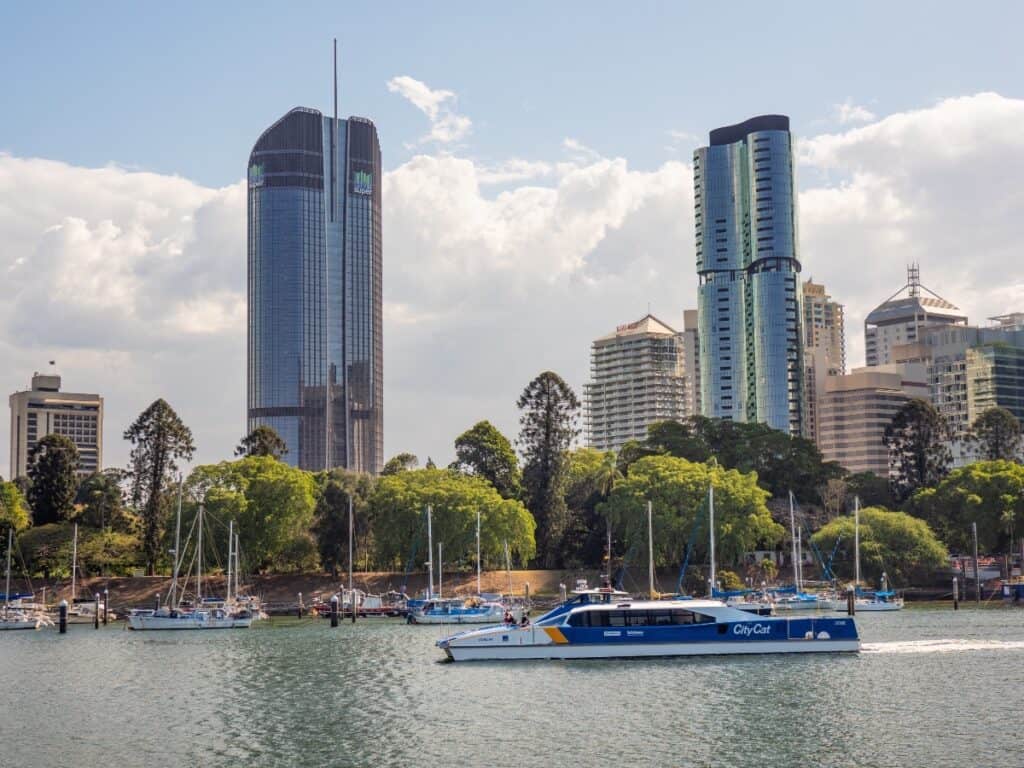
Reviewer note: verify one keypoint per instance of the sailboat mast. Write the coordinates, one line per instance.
(430, 556)
(231, 545)
(650, 550)
(508, 565)
(478, 590)
(792, 536)
(440, 566)
(74, 565)
(199, 560)
(177, 551)
(351, 533)
(856, 542)
(238, 563)
(7, 585)
(711, 536)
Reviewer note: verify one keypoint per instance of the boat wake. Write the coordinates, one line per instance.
(942, 646)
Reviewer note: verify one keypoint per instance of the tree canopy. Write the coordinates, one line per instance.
(482, 450)
(398, 509)
(900, 545)
(919, 454)
(262, 441)
(997, 434)
(330, 527)
(13, 509)
(101, 502)
(400, 463)
(52, 470)
(678, 491)
(159, 439)
(548, 425)
(989, 493)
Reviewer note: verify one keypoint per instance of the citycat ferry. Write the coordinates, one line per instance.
(600, 630)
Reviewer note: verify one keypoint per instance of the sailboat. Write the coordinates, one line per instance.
(15, 617)
(797, 600)
(878, 601)
(740, 599)
(172, 616)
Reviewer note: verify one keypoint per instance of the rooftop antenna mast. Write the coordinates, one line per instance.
(914, 279)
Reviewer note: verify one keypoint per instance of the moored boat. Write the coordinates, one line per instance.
(462, 611)
(652, 628)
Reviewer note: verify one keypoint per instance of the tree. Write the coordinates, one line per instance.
(400, 463)
(398, 505)
(592, 476)
(430, 463)
(919, 453)
(997, 434)
(677, 490)
(52, 468)
(989, 493)
(872, 490)
(271, 503)
(547, 429)
(102, 501)
(13, 509)
(679, 439)
(262, 441)
(902, 546)
(482, 450)
(330, 526)
(159, 438)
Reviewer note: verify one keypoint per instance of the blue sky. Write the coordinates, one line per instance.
(186, 88)
(538, 190)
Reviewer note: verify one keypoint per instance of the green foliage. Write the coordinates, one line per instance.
(101, 502)
(400, 463)
(159, 438)
(678, 491)
(989, 493)
(729, 580)
(918, 449)
(47, 551)
(13, 509)
(107, 552)
(547, 428)
(398, 510)
(782, 463)
(997, 434)
(482, 450)
(330, 527)
(52, 466)
(262, 441)
(894, 542)
(872, 490)
(592, 476)
(271, 502)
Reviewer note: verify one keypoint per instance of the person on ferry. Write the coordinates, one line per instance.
(525, 621)
(509, 618)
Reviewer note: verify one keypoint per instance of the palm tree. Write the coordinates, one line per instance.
(604, 479)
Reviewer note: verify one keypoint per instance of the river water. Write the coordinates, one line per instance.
(931, 688)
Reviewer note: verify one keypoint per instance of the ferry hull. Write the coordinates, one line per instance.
(538, 652)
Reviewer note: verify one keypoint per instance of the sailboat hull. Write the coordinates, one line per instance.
(202, 621)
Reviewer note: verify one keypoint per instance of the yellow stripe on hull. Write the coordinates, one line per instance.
(556, 635)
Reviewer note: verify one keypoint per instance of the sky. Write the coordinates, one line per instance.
(537, 191)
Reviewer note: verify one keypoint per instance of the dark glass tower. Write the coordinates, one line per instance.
(315, 341)
(749, 318)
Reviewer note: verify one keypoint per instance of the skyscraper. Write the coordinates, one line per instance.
(748, 266)
(824, 349)
(315, 348)
(637, 376)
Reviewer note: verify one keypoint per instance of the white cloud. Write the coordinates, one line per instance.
(134, 282)
(848, 112)
(445, 125)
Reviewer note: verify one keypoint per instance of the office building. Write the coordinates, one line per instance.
(638, 376)
(315, 337)
(749, 313)
(45, 410)
(855, 409)
(903, 317)
(691, 361)
(824, 352)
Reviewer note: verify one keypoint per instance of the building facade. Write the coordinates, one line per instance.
(903, 318)
(638, 376)
(691, 361)
(855, 409)
(824, 352)
(749, 313)
(44, 410)
(315, 317)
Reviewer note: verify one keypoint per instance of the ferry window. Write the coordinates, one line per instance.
(638, 618)
(661, 617)
(616, 618)
(579, 619)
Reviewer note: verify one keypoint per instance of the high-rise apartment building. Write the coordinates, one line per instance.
(749, 313)
(824, 351)
(855, 409)
(691, 361)
(638, 376)
(315, 337)
(903, 317)
(44, 410)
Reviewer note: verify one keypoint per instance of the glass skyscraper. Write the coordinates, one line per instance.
(315, 342)
(749, 317)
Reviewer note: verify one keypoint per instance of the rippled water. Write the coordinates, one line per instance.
(932, 688)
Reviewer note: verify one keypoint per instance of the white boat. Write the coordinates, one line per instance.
(652, 628)
(206, 614)
(15, 616)
(881, 601)
(457, 610)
